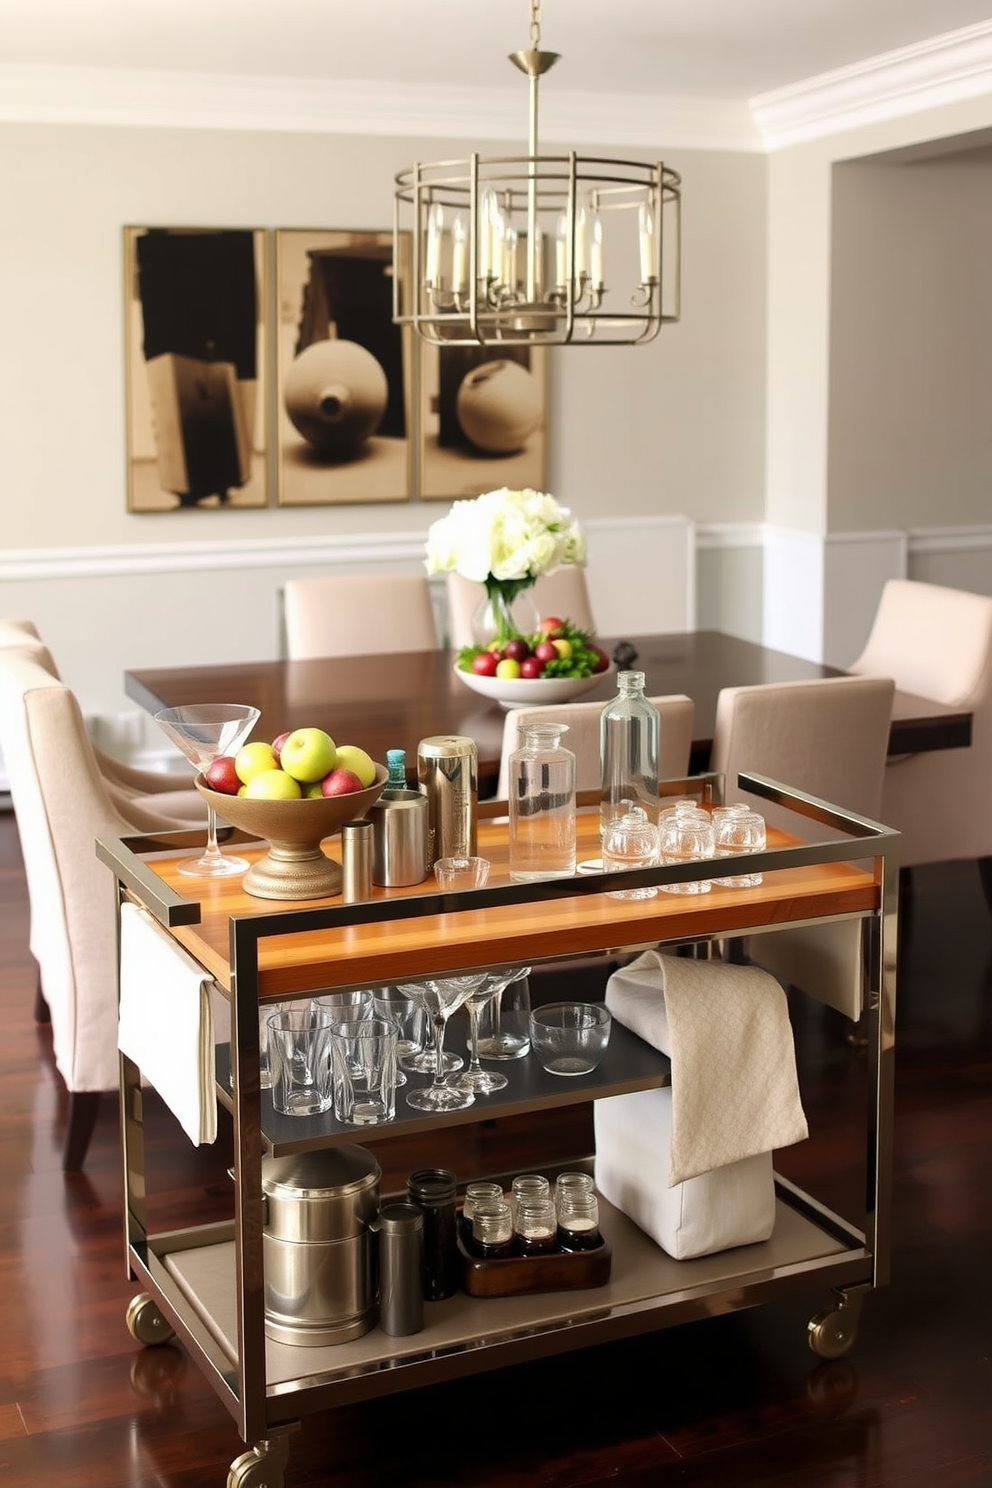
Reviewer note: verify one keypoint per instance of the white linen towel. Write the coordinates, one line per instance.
(165, 1021)
(735, 1092)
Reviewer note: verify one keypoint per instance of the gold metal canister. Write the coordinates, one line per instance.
(448, 775)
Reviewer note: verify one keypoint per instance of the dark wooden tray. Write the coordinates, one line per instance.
(522, 1276)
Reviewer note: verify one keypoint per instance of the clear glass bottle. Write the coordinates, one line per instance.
(628, 750)
(542, 805)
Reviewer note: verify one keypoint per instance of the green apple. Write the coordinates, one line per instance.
(253, 758)
(308, 754)
(273, 785)
(350, 757)
(314, 791)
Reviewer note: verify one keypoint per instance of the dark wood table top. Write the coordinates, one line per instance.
(393, 701)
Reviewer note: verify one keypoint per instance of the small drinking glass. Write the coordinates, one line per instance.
(479, 1192)
(461, 873)
(630, 841)
(389, 1002)
(686, 835)
(570, 1038)
(356, 1007)
(299, 1050)
(528, 1187)
(738, 829)
(504, 1021)
(363, 1058)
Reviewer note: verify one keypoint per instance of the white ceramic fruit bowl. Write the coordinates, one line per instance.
(523, 692)
(295, 866)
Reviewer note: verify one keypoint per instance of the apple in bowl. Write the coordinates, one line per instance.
(294, 827)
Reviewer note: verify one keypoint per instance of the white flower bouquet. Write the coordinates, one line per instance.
(506, 539)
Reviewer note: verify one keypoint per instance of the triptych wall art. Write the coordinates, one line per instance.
(265, 366)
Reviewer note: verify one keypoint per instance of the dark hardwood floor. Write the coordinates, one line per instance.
(734, 1400)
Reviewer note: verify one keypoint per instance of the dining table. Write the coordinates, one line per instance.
(393, 700)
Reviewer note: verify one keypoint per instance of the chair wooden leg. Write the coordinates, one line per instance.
(83, 1108)
(985, 874)
(41, 1009)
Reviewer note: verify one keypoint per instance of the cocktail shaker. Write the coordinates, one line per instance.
(448, 775)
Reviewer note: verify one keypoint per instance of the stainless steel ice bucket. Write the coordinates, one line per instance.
(318, 1245)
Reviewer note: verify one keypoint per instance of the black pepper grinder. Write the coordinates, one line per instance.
(401, 1269)
(434, 1191)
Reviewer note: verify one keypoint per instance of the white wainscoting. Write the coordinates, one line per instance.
(104, 611)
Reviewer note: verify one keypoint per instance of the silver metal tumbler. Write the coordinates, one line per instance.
(448, 775)
(356, 861)
(399, 838)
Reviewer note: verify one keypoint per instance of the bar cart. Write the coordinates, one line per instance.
(205, 1283)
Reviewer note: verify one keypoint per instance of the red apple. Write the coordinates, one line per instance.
(550, 625)
(516, 649)
(602, 660)
(484, 665)
(546, 651)
(531, 666)
(277, 743)
(221, 775)
(340, 782)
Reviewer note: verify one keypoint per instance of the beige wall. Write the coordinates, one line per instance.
(669, 427)
(910, 409)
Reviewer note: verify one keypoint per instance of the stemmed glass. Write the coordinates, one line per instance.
(439, 997)
(203, 731)
(475, 1078)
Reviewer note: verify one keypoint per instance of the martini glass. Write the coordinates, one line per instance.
(203, 731)
(439, 997)
(475, 1078)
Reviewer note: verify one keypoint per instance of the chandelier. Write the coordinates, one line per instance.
(536, 249)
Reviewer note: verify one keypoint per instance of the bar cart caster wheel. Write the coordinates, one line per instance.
(261, 1467)
(831, 1334)
(145, 1322)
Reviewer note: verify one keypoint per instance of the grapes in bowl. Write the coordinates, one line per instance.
(555, 664)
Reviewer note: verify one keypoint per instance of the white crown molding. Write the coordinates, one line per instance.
(171, 100)
(931, 74)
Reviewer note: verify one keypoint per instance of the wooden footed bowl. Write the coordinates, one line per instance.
(295, 866)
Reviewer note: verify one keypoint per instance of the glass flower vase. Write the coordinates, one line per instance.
(498, 617)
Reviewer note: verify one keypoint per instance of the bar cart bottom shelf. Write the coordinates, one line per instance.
(643, 1276)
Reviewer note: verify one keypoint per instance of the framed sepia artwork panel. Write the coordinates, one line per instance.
(344, 371)
(483, 420)
(195, 359)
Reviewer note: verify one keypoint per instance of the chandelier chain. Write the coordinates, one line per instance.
(535, 24)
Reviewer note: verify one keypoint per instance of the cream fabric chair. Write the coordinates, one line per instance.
(829, 738)
(358, 615)
(62, 803)
(564, 593)
(676, 713)
(937, 643)
(156, 800)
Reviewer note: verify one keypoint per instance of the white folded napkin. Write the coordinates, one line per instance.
(165, 1021)
(726, 1028)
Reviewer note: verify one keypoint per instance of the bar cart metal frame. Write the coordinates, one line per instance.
(269, 1388)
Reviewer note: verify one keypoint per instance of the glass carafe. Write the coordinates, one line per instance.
(542, 804)
(628, 747)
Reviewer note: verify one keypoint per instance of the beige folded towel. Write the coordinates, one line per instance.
(734, 1087)
(165, 1021)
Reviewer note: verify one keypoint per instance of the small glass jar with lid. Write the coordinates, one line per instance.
(535, 1223)
(738, 829)
(630, 840)
(686, 835)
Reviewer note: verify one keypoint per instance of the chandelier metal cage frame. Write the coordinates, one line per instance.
(520, 249)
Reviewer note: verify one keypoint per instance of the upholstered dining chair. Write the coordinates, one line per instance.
(157, 800)
(62, 803)
(564, 593)
(358, 614)
(829, 738)
(676, 714)
(937, 643)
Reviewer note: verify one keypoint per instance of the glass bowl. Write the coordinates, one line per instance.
(295, 866)
(570, 1038)
(521, 692)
